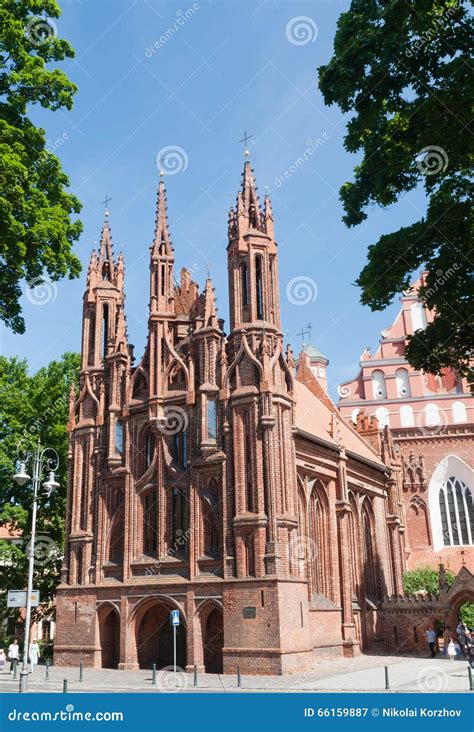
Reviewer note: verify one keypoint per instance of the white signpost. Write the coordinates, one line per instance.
(17, 598)
(174, 618)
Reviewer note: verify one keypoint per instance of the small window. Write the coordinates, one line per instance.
(245, 283)
(180, 449)
(378, 385)
(403, 383)
(211, 419)
(119, 437)
(149, 449)
(259, 286)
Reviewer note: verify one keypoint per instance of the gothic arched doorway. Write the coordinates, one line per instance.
(213, 640)
(155, 639)
(109, 635)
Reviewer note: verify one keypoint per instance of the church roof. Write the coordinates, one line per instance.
(313, 352)
(315, 417)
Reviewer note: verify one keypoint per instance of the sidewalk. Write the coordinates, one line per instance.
(362, 674)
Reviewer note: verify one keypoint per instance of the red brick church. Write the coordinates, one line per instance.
(216, 477)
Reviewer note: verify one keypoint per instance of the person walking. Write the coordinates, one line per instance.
(13, 654)
(3, 660)
(431, 640)
(446, 638)
(34, 655)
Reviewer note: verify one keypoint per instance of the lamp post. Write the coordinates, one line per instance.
(42, 459)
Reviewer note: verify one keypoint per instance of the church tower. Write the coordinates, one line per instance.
(260, 386)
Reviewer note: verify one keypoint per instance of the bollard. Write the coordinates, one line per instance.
(64, 686)
(46, 671)
(15, 667)
(387, 682)
(153, 677)
(81, 671)
(195, 681)
(471, 680)
(239, 680)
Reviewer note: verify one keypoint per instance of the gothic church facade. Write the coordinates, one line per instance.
(216, 477)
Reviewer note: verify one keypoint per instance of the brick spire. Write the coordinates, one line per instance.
(106, 264)
(161, 243)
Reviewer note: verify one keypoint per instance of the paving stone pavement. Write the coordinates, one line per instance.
(362, 674)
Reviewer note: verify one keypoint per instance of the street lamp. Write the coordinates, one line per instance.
(43, 459)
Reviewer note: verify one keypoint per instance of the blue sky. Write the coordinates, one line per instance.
(222, 67)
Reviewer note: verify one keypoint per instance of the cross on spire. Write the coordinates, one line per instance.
(106, 204)
(162, 163)
(302, 334)
(245, 140)
(310, 328)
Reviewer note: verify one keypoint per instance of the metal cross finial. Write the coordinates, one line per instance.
(106, 204)
(245, 140)
(310, 328)
(302, 334)
(162, 163)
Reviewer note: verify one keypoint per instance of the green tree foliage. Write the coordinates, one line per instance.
(466, 612)
(33, 408)
(424, 579)
(37, 229)
(401, 71)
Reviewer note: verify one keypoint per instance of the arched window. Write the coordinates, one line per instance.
(450, 499)
(406, 416)
(149, 449)
(245, 283)
(210, 517)
(459, 412)
(180, 445)
(248, 461)
(179, 519)
(105, 329)
(383, 417)
(378, 385)
(259, 285)
(354, 545)
(150, 523)
(403, 383)
(318, 548)
(369, 568)
(84, 508)
(432, 416)
(418, 316)
(91, 346)
(457, 514)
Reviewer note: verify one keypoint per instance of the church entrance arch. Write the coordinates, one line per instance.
(154, 636)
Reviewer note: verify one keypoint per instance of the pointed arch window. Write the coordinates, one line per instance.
(259, 285)
(369, 569)
(179, 519)
(150, 523)
(210, 515)
(457, 514)
(91, 344)
(180, 449)
(403, 383)
(211, 419)
(149, 449)
(116, 538)
(119, 437)
(248, 461)
(319, 541)
(105, 329)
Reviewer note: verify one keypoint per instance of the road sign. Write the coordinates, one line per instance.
(17, 598)
(175, 617)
